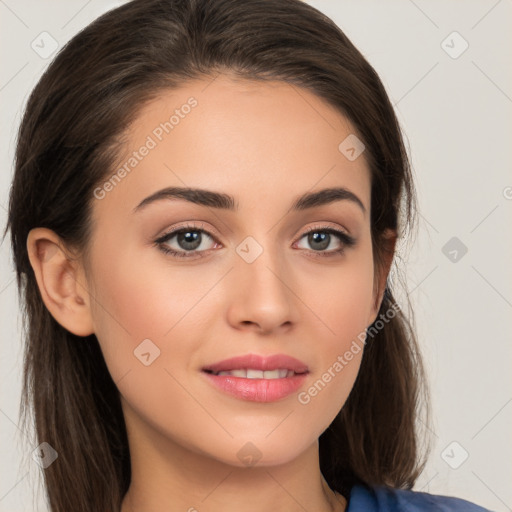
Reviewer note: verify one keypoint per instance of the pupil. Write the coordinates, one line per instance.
(189, 240)
(324, 240)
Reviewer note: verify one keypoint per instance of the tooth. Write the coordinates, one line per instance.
(279, 373)
(255, 374)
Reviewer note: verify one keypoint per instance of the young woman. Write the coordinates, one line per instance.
(205, 208)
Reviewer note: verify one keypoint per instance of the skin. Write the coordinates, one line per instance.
(265, 144)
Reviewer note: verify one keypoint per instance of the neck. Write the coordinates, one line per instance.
(167, 476)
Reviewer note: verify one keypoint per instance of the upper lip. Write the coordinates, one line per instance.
(257, 362)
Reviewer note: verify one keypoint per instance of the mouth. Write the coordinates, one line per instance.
(254, 364)
(257, 378)
(251, 373)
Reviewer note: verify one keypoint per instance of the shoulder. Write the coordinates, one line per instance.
(388, 499)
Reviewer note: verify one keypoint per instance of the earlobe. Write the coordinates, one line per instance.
(56, 273)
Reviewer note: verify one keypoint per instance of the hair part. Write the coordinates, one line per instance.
(70, 139)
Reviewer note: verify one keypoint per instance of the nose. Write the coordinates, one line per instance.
(261, 295)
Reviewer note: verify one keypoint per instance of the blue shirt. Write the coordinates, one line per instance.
(388, 499)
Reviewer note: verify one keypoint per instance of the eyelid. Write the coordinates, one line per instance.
(187, 225)
(347, 241)
(321, 226)
(193, 226)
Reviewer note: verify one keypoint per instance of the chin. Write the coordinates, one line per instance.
(262, 451)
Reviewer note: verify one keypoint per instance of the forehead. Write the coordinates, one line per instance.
(258, 141)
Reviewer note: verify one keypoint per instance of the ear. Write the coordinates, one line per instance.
(58, 277)
(388, 242)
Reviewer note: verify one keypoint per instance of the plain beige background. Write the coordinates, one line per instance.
(446, 66)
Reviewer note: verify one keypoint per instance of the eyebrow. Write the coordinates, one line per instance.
(226, 202)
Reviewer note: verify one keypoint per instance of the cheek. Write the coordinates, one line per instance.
(134, 300)
(341, 298)
(343, 305)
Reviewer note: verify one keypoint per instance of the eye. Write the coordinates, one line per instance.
(320, 238)
(188, 239)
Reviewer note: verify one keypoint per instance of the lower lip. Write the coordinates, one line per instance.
(257, 390)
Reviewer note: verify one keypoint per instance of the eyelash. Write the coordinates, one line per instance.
(345, 239)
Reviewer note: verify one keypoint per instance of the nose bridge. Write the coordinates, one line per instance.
(261, 262)
(263, 294)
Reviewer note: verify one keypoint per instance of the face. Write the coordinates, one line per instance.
(183, 284)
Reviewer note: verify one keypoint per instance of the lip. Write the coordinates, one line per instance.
(258, 362)
(257, 390)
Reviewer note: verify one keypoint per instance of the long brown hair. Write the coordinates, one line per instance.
(68, 142)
